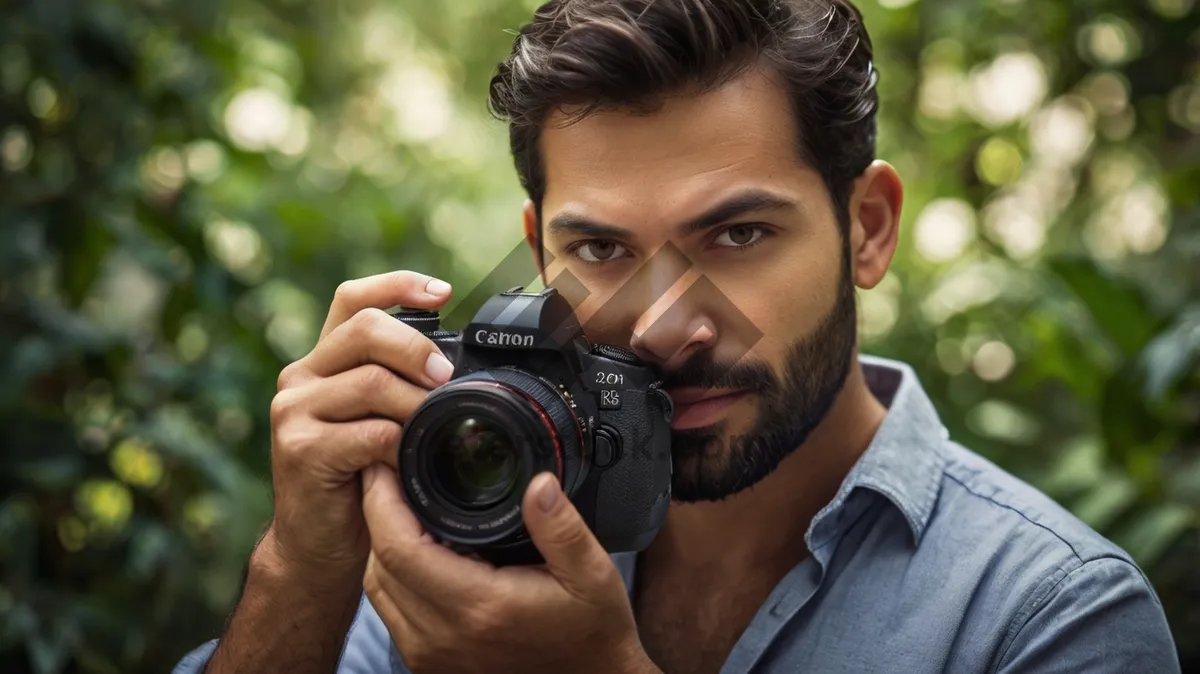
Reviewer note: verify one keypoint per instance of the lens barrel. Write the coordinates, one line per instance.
(470, 450)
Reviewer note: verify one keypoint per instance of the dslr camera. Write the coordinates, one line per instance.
(530, 394)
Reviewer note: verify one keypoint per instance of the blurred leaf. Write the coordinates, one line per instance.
(1184, 483)
(85, 252)
(1130, 429)
(54, 473)
(1106, 501)
(1116, 306)
(50, 648)
(1151, 532)
(1079, 466)
(1172, 353)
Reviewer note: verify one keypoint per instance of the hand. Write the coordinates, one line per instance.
(451, 613)
(340, 409)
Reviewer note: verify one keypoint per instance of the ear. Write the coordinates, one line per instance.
(875, 222)
(529, 215)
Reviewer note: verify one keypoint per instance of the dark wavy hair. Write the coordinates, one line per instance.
(603, 54)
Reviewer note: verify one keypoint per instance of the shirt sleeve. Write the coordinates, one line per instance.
(367, 649)
(1103, 617)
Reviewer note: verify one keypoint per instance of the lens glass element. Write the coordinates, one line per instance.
(475, 461)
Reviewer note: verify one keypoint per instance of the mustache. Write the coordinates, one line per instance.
(702, 371)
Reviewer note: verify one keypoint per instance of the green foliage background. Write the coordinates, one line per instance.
(184, 184)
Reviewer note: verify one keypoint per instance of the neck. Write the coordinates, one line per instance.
(767, 523)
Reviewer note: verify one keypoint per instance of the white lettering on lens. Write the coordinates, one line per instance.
(454, 523)
(502, 339)
(420, 492)
(502, 520)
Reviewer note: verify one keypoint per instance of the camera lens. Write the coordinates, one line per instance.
(475, 461)
(471, 448)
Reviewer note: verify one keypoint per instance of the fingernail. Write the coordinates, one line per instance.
(437, 288)
(438, 368)
(549, 495)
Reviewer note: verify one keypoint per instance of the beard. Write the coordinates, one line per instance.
(708, 464)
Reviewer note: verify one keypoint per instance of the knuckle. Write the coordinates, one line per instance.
(369, 324)
(382, 433)
(375, 378)
(296, 441)
(414, 342)
(289, 374)
(346, 292)
(407, 278)
(284, 404)
(372, 584)
(359, 324)
(391, 558)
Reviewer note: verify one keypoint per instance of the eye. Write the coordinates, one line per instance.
(598, 251)
(740, 236)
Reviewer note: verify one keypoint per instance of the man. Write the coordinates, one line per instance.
(717, 158)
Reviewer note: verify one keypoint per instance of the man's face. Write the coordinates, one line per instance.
(696, 236)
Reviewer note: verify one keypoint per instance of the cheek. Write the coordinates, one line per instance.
(786, 295)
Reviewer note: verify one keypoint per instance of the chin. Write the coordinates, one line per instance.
(707, 466)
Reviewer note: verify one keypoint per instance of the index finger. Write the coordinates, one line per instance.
(411, 557)
(383, 291)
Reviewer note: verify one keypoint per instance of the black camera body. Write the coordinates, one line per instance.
(530, 394)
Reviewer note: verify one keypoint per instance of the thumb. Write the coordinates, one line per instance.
(572, 553)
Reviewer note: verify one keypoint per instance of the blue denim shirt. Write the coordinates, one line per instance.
(929, 559)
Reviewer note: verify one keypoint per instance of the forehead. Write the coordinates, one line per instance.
(614, 164)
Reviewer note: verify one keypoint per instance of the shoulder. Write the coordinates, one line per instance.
(972, 483)
(1068, 586)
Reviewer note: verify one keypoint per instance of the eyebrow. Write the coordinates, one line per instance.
(741, 203)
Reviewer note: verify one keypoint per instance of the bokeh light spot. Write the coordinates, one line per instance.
(1183, 105)
(1007, 89)
(1109, 40)
(1002, 420)
(72, 533)
(1172, 9)
(993, 361)
(998, 161)
(105, 504)
(206, 161)
(1062, 132)
(136, 464)
(257, 119)
(944, 229)
(16, 149)
(42, 98)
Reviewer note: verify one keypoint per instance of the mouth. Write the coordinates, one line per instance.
(695, 408)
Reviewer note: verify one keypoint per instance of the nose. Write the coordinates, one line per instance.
(661, 311)
(673, 326)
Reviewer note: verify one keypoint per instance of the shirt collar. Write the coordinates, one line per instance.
(905, 459)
